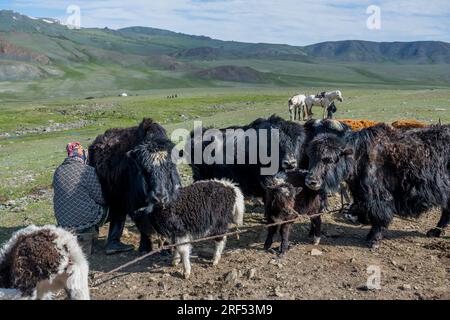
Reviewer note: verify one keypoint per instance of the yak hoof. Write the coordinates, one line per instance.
(187, 275)
(281, 255)
(316, 241)
(176, 262)
(145, 248)
(271, 250)
(374, 244)
(435, 233)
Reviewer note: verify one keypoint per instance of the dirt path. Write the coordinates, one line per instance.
(412, 266)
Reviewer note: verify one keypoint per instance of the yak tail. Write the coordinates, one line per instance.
(239, 207)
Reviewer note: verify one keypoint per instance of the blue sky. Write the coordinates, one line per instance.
(296, 22)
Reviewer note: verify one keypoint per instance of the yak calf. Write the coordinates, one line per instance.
(286, 197)
(203, 209)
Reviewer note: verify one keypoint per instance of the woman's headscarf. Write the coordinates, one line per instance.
(75, 150)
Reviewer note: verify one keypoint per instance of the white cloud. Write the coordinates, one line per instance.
(274, 21)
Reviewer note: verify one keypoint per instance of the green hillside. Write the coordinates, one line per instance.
(42, 59)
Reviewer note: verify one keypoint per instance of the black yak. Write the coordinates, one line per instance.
(202, 209)
(136, 171)
(248, 175)
(389, 172)
(286, 197)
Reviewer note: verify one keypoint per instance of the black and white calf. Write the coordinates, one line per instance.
(38, 261)
(203, 209)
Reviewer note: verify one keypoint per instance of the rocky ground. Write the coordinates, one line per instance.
(411, 265)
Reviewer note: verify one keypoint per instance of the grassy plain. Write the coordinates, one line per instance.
(27, 161)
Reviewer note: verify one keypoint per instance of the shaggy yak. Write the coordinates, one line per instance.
(248, 175)
(38, 261)
(286, 197)
(388, 172)
(202, 209)
(136, 171)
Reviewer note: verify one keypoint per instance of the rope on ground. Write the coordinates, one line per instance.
(299, 217)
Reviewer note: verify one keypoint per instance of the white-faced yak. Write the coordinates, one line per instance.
(136, 171)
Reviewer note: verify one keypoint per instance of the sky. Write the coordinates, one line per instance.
(294, 22)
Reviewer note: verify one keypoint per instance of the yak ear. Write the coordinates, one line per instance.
(298, 190)
(347, 152)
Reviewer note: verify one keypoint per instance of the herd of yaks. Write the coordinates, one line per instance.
(390, 170)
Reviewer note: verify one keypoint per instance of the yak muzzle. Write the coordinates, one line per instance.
(161, 202)
(313, 183)
(290, 164)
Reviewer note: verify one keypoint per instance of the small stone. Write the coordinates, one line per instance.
(366, 288)
(394, 263)
(316, 252)
(10, 203)
(352, 260)
(162, 285)
(185, 296)
(278, 293)
(251, 273)
(405, 287)
(231, 276)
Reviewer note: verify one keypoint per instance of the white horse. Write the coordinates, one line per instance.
(323, 99)
(297, 105)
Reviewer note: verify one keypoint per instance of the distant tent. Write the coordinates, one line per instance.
(124, 94)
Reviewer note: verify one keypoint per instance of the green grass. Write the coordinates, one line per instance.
(37, 156)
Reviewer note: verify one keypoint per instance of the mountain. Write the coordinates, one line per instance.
(141, 58)
(421, 52)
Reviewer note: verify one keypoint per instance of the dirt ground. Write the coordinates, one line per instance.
(412, 266)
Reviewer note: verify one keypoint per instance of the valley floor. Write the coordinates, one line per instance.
(412, 266)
